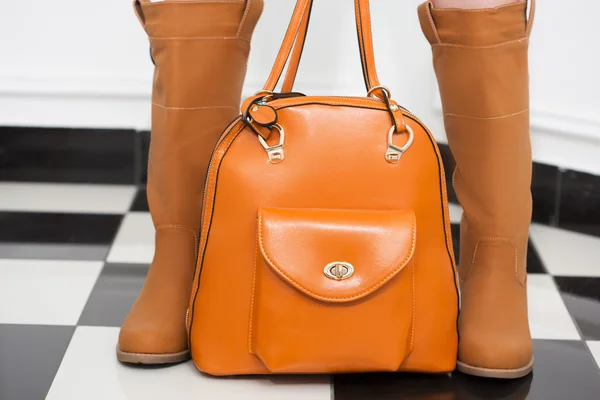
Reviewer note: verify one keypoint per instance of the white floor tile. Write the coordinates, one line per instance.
(90, 371)
(135, 240)
(455, 213)
(567, 253)
(548, 315)
(67, 198)
(595, 348)
(45, 292)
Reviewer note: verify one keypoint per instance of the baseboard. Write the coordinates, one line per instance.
(108, 156)
(566, 198)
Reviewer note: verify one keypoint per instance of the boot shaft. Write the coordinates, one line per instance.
(481, 62)
(200, 50)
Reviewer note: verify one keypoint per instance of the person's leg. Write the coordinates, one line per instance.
(200, 50)
(480, 58)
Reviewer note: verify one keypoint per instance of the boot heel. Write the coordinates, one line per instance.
(495, 373)
(152, 359)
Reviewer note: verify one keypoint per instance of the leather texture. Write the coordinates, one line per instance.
(293, 247)
(200, 49)
(480, 58)
(261, 302)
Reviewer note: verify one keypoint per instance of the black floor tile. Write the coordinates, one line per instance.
(58, 228)
(68, 155)
(580, 202)
(144, 143)
(534, 262)
(140, 202)
(393, 387)
(113, 295)
(472, 388)
(544, 190)
(563, 370)
(29, 359)
(582, 298)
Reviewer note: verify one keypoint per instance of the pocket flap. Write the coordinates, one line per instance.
(360, 250)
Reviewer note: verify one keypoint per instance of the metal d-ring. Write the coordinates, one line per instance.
(382, 88)
(275, 153)
(394, 152)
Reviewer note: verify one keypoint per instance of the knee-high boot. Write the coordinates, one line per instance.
(200, 49)
(481, 62)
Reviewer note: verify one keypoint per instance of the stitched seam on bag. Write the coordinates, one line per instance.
(252, 299)
(446, 215)
(191, 108)
(354, 297)
(207, 215)
(491, 46)
(183, 227)
(496, 239)
(200, 38)
(371, 106)
(488, 118)
(211, 177)
(446, 212)
(412, 334)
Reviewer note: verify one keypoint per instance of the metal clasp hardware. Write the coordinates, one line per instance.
(275, 153)
(387, 91)
(394, 152)
(339, 271)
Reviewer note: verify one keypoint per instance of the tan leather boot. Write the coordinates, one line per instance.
(480, 59)
(200, 49)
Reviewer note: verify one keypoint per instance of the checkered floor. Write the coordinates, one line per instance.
(73, 258)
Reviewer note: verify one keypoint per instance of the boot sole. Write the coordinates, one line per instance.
(152, 359)
(495, 373)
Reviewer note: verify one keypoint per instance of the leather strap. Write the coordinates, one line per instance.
(363, 27)
(365, 41)
(286, 46)
(295, 37)
(292, 71)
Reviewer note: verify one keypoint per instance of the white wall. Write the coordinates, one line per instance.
(85, 64)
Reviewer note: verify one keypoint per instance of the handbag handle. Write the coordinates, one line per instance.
(293, 44)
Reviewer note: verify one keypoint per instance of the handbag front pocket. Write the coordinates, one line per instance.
(333, 290)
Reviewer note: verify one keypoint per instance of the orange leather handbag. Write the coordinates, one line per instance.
(325, 244)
